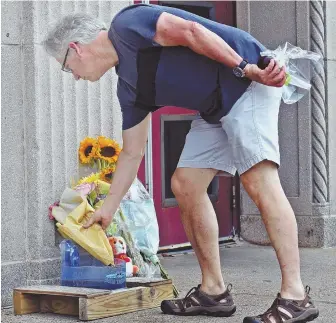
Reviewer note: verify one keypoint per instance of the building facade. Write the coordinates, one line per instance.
(45, 114)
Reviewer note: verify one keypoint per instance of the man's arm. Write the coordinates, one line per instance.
(134, 141)
(175, 31)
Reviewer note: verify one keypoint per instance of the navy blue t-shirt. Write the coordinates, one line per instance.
(152, 76)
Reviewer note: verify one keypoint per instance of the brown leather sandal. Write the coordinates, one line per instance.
(287, 311)
(197, 302)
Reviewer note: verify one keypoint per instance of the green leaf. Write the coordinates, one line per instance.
(122, 216)
(92, 196)
(288, 79)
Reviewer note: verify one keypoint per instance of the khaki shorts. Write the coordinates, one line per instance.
(244, 137)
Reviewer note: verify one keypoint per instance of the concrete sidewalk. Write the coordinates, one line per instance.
(255, 276)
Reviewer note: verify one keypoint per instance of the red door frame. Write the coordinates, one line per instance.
(171, 230)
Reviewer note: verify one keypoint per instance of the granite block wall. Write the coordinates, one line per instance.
(45, 114)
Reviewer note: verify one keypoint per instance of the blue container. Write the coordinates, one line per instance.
(80, 269)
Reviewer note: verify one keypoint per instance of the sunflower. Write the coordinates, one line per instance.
(87, 150)
(92, 178)
(108, 149)
(107, 173)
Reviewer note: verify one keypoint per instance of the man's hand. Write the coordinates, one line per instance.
(103, 216)
(134, 142)
(272, 75)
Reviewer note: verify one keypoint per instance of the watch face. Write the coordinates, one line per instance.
(238, 72)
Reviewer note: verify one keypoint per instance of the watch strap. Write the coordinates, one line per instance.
(243, 64)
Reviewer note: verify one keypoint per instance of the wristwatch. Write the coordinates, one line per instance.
(238, 71)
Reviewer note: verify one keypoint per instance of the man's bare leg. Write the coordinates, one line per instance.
(263, 185)
(200, 223)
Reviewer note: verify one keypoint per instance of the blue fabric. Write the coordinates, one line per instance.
(182, 77)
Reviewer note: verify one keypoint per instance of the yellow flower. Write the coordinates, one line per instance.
(108, 149)
(87, 150)
(107, 173)
(92, 178)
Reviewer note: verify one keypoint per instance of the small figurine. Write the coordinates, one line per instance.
(118, 245)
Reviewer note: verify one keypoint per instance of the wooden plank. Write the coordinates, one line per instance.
(62, 290)
(67, 305)
(25, 303)
(124, 301)
(147, 282)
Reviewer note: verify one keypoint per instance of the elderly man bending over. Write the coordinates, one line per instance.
(166, 56)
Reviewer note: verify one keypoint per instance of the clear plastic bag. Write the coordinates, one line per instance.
(136, 222)
(140, 217)
(300, 65)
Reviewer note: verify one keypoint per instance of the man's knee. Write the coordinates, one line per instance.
(184, 183)
(180, 183)
(259, 178)
(190, 182)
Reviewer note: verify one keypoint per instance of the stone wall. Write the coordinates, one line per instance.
(307, 137)
(45, 114)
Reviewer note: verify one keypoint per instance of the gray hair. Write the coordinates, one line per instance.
(78, 27)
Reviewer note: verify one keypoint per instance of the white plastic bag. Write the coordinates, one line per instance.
(138, 209)
(137, 206)
(136, 222)
(300, 65)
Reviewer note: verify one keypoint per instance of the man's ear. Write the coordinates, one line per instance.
(76, 47)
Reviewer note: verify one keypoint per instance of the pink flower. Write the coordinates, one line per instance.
(85, 188)
(50, 210)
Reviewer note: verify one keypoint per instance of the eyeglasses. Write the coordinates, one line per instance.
(64, 68)
(67, 69)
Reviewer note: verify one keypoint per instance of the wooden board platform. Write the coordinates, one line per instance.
(91, 304)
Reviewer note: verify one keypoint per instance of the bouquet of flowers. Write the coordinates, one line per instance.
(87, 194)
